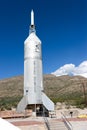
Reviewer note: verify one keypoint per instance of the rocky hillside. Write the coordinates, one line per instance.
(67, 89)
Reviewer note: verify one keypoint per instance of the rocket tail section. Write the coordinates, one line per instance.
(49, 105)
(22, 104)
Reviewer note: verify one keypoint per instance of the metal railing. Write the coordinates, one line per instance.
(67, 123)
(47, 123)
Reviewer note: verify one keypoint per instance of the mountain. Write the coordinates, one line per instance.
(71, 69)
(62, 88)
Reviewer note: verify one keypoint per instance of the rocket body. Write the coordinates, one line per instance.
(33, 81)
(33, 75)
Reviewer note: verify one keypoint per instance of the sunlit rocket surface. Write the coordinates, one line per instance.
(33, 75)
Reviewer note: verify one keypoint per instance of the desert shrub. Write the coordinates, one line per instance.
(8, 102)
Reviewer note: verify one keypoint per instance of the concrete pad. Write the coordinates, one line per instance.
(79, 125)
(33, 127)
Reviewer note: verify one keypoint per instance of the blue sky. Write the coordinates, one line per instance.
(60, 24)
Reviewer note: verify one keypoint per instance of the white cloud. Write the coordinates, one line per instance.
(71, 69)
(64, 70)
(81, 69)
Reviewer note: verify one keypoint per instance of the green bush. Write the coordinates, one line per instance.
(8, 103)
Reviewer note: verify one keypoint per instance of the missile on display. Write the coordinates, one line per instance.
(33, 75)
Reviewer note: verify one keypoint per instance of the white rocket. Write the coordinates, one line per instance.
(33, 76)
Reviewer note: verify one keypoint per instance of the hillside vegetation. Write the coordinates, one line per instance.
(71, 90)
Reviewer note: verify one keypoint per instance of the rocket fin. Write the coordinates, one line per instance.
(47, 102)
(22, 104)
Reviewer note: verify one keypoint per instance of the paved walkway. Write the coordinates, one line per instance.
(57, 125)
(38, 123)
(34, 127)
(35, 123)
(79, 125)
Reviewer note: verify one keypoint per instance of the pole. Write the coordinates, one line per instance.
(84, 93)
